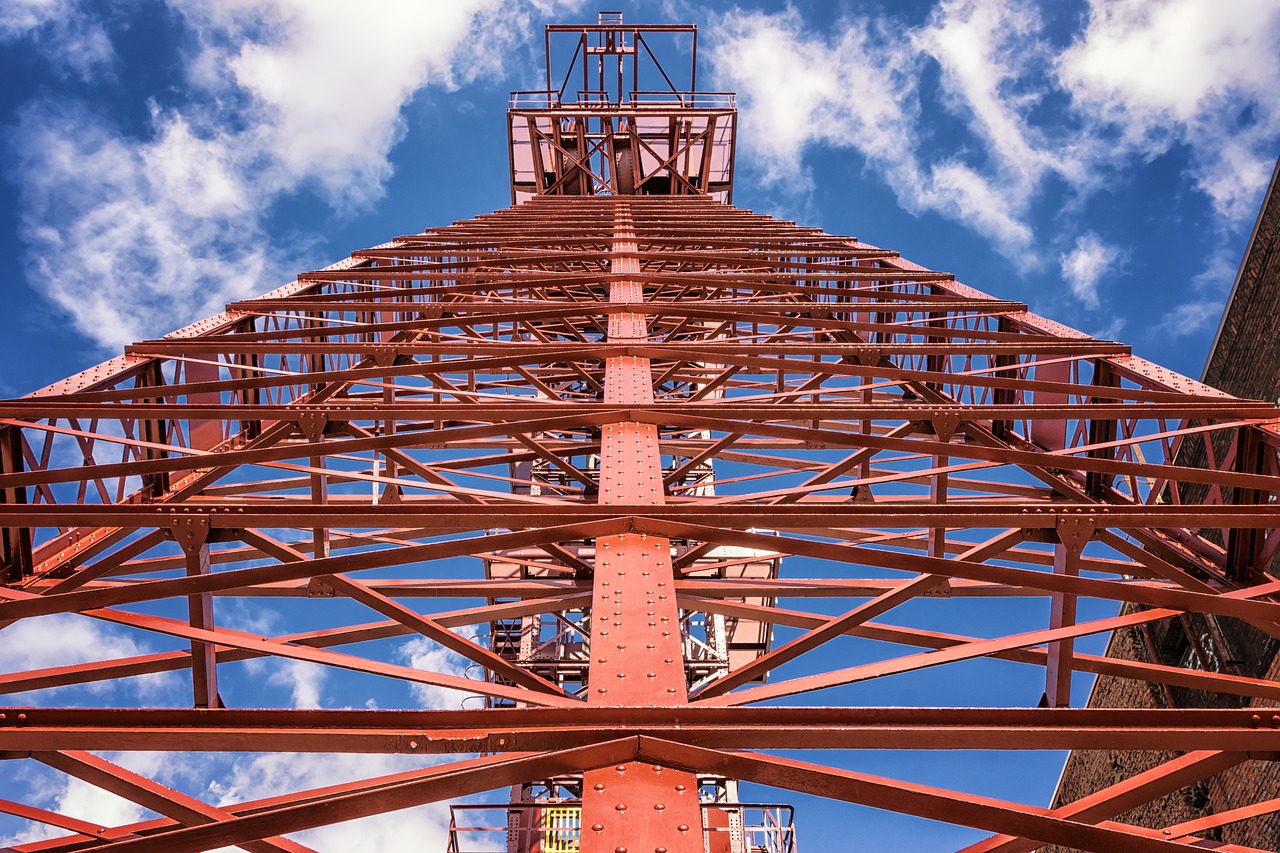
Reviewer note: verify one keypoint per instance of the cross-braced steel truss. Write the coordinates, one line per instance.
(607, 449)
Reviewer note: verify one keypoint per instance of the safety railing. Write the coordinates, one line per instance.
(556, 827)
(593, 100)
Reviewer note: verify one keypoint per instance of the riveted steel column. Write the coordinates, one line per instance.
(636, 651)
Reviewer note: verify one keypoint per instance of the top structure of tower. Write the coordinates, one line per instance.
(621, 115)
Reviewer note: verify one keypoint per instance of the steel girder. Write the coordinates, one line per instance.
(618, 406)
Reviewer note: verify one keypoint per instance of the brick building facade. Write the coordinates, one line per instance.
(1245, 362)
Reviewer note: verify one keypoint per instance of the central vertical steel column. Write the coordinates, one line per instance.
(637, 651)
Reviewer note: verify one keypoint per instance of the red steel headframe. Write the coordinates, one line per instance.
(652, 419)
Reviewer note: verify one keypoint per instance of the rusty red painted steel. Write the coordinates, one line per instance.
(632, 350)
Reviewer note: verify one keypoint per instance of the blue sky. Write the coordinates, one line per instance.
(163, 157)
(1103, 163)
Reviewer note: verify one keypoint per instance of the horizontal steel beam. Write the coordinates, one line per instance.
(497, 410)
(832, 517)
(504, 730)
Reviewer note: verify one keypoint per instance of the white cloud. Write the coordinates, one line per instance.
(797, 89)
(981, 48)
(304, 680)
(1086, 264)
(998, 212)
(859, 89)
(408, 831)
(44, 642)
(1139, 78)
(68, 795)
(1169, 59)
(421, 653)
(61, 30)
(131, 238)
(78, 799)
(1111, 331)
(330, 121)
(1183, 72)
(1219, 271)
(1187, 319)
(61, 640)
(135, 236)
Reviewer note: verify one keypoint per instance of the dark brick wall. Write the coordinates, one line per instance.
(1244, 362)
(1248, 652)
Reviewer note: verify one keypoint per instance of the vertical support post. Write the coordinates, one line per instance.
(935, 362)
(1244, 544)
(315, 362)
(944, 427)
(15, 542)
(250, 428)
(312, 425)
(1062, 613)
(192, 533)
(391, 492)
(1073, 533)
(1101, 431)
(320, 496)
(385, 356)
(1002, 428)
(154, 430)
(637, 652)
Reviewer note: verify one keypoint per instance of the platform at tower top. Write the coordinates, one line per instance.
(625, 117)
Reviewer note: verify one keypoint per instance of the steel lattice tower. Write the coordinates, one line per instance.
(625, 422)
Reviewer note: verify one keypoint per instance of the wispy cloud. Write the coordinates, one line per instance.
(1187, 319)
(71, 796)
(421, 653)
(133, 235)
(1218, 272)
(859, 88)
(1086, 264)
(305, 682)
(44, 642)
(1137, 78)
(129, 236)
(800, 88)
(1111, 331)
(332, 123)
(62, 30)
(1152, 75)
(407, 831)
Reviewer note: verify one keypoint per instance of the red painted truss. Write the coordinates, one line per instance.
(686, 486)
